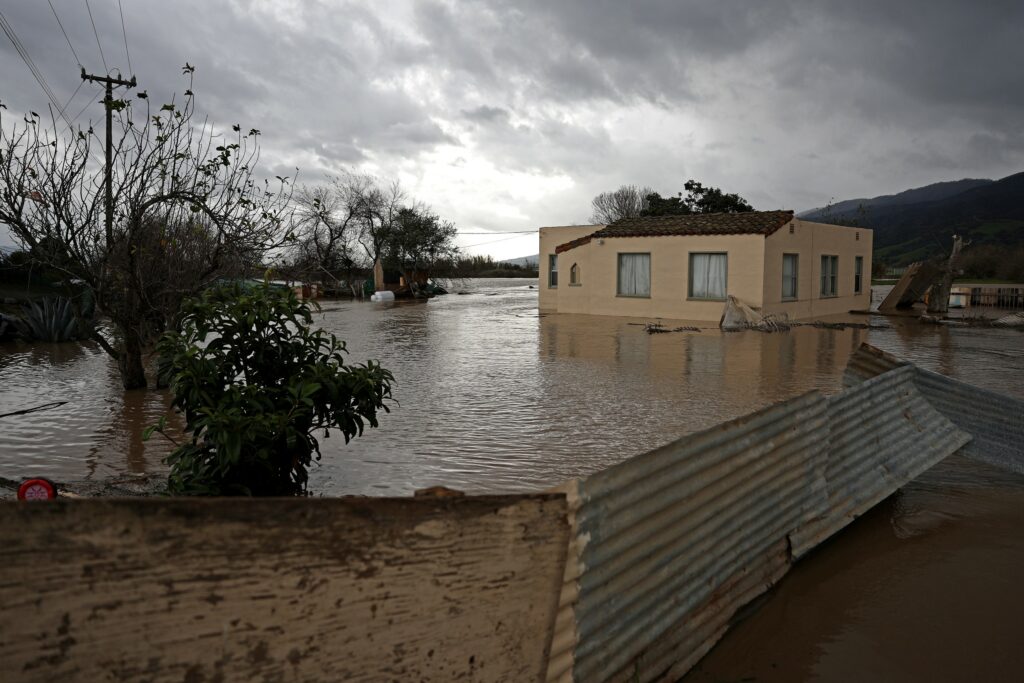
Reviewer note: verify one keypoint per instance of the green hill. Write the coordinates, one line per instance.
(919, 223)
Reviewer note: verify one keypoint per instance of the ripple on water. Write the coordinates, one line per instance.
(490, 395)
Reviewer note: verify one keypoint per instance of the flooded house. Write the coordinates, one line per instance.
(684, 267)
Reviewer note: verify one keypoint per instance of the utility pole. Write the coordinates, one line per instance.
(108, 101)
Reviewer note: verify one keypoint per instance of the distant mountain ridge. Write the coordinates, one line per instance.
(919, 222)
(928, 193)
(523, 260)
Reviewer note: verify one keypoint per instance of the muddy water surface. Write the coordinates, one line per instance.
(925, 587)
(490, 395)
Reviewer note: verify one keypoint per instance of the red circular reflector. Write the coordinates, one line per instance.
(37, 489)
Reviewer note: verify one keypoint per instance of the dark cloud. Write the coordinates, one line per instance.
(535, 106)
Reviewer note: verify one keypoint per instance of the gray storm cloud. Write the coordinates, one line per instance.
(507, 116)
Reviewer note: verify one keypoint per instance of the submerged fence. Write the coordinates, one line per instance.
(631, 574)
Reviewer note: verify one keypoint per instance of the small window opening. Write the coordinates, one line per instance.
(792, 228)
(574, 275)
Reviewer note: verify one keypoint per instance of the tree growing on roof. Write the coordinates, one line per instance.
(698, 199)
(187, 210)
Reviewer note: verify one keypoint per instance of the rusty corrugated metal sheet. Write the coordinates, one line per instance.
(677, 539)
(882, 434)
(995, 421)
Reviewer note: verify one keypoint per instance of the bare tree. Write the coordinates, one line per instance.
(327, 230)
(187, 211)
(376, 209)
(626, 202)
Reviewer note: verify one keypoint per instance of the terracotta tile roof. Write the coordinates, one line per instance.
(578, 242)
(749, 223)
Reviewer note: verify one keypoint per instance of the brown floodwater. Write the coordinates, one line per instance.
(924, 587)
(490, 395)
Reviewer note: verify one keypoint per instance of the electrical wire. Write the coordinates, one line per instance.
(97, 34)
(36, 73)
(59, 23)
(503, 232)
(485, 244)
(80, 111)
(72, 98)
(125, 34)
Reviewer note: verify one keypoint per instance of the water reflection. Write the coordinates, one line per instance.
(491, 396)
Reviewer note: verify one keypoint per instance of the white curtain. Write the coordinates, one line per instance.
(716, 276)
(699, 267)
(789, 270)
(635, 274)
(707, 276)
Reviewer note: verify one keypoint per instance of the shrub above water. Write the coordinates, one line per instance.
(256, 383)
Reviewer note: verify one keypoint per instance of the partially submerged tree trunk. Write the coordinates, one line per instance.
(133, 372)
(938, 300)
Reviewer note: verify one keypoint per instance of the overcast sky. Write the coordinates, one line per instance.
(510, 116)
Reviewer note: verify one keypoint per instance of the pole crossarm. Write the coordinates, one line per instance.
(109, 82)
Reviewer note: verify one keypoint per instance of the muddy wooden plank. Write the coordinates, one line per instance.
(296, 590)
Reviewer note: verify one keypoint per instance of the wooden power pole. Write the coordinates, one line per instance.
(108, 101)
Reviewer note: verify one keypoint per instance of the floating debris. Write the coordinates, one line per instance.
(658, 328)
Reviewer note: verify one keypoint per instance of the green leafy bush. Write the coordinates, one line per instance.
(255, 382)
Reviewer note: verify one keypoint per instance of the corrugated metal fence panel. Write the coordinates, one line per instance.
(679, 538)
(882, 434)
(995, 421)
(867, 362)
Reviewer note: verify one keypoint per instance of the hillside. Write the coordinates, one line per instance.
(918, 223)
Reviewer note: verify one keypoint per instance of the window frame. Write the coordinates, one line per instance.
(552, 271)
(832, 276)
(618, 274)
(689, 276)
(858, 274)
(574, 275)
(796, 276)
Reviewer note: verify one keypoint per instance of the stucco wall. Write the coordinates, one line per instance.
(550, 238)
(670, 265)
(297, 590)
(811, 241)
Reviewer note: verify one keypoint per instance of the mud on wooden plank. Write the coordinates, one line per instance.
(280, 590)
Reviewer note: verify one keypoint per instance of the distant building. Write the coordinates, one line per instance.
(683, 267)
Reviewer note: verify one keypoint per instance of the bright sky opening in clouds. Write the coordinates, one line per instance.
(510, 116)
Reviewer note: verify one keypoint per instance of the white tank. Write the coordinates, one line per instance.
(383, 295)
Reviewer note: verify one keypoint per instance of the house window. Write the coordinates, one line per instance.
(552, 270)
(829, 276)
(858, 274)
(790, 269)
(708, 276)
(792, 228)
(574, 275)
(634, 275)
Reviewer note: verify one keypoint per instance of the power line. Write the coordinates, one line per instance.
(487, 244)
(89, 102)
(503, 232)
(71, 99)
(97, 34)
(36, 73)
(79, 61)
(125, 34)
